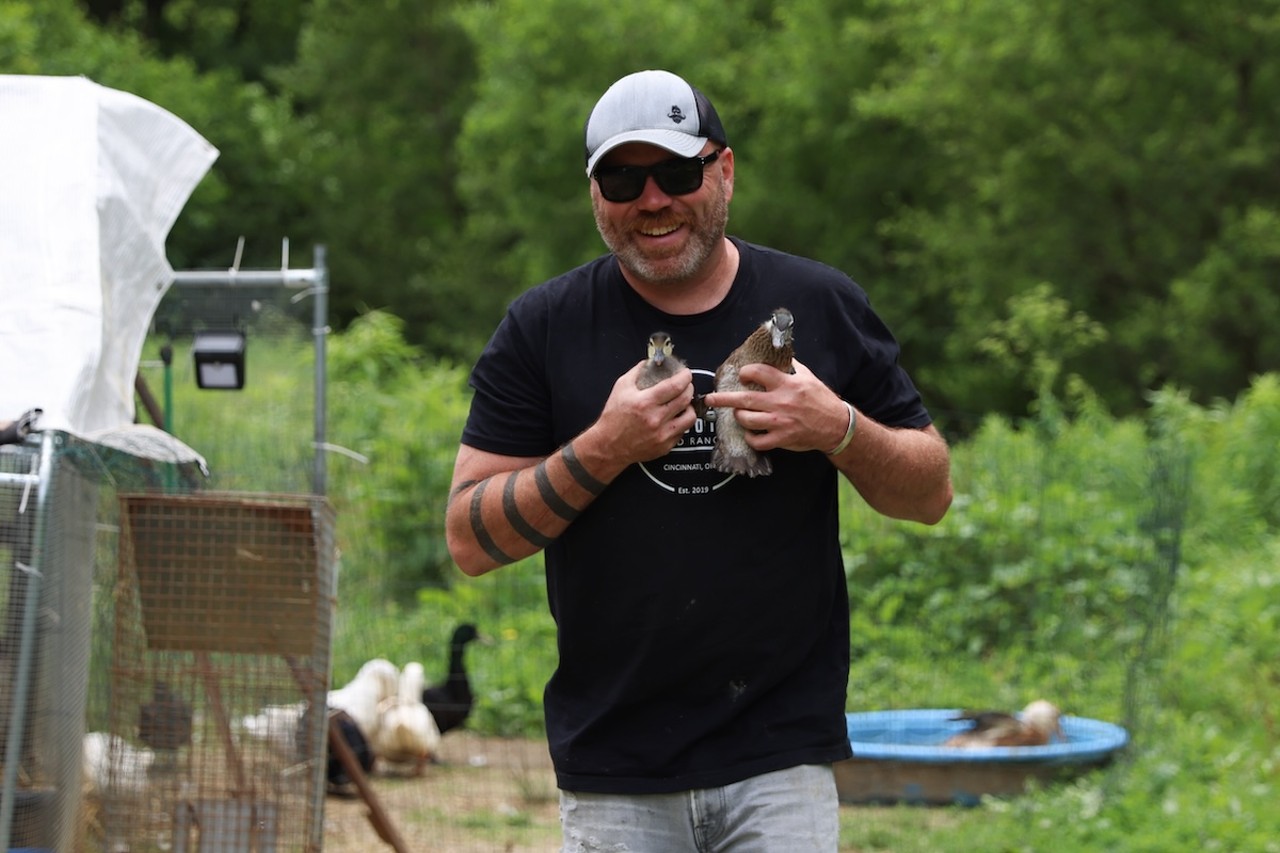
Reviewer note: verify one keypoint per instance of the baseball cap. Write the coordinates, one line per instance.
(656, 107)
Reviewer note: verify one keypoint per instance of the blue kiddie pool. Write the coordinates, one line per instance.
(898, 757)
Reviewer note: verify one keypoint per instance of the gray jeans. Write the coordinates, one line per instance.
(788, 811)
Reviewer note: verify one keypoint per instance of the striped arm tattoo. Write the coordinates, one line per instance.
(579, 472)
(515, 519)
(481, 532)
(511, 508)
(550, 496)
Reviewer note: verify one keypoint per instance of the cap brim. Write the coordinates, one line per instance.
(675, 141)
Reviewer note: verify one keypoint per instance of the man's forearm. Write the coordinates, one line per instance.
(901, 473)
(509, 515)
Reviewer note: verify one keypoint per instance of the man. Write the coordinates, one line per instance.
(702, 618)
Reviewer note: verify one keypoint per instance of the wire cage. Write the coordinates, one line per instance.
(222, 606)
(146, 625)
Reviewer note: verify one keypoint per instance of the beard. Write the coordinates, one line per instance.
(706, 231)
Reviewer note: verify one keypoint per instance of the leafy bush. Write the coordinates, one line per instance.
(1044, 542)
(404, 419)
(1241, 469)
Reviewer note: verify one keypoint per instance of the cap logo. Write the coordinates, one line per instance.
(675, 114)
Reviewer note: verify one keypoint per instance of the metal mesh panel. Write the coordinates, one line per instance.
(143, 630)
(277, 454)
(47, 524)
(219, 573)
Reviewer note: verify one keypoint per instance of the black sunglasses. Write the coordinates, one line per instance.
(680, 176)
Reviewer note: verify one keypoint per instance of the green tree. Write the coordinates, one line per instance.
(382, 89)
(1225, 306)
(248, 38)
(818, 174)
(1100, 146)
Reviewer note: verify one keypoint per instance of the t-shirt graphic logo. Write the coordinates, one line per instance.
(687, 469)
(676, 115)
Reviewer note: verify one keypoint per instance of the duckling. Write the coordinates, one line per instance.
(662, 363)
(771, 343)
(1038, 724)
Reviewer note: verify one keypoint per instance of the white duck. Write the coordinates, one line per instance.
(276, 725)
(375, 682)
(113, 765)
(407, 733)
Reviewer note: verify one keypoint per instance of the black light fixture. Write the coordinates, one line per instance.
(219, 355)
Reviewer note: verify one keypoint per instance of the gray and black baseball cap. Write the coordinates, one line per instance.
(656, 107)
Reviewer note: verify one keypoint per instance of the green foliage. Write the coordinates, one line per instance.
(226, 34)
(1102, 129)
(1038, 335)
(20, 35)
(405, 421)
(381, 92)
(1042, 541)
(1236, 456)
(1193, 676)
(1062, 536)
(1229, 296)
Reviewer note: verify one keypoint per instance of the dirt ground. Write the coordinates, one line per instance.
(484, 794)
(497, 794)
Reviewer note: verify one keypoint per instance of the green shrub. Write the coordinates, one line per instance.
(404, 418)
(1043, 543)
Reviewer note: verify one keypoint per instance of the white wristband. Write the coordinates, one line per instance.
(848, 434)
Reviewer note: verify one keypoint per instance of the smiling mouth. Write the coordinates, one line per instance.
(658, 230)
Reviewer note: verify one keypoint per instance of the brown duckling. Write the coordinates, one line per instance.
(1038, 724)
(771, 343)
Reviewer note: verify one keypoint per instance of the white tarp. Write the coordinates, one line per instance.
(91, 181)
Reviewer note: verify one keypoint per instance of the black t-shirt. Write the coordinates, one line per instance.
(702, 618)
